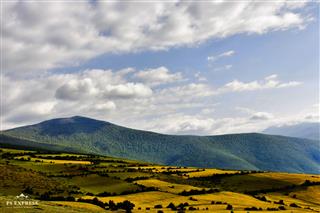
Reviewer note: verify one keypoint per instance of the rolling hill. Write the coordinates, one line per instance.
(302, 130)
(251, 151)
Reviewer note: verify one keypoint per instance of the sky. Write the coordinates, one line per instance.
(175, 67)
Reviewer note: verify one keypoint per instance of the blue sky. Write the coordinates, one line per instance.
(169, 77)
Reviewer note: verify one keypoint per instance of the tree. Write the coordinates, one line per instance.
(229, 207)
(126, 205)
(159, 206)
(171, 206)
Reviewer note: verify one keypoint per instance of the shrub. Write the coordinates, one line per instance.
(171, 206)
(294, 205)
(279, 202)
(251, 208)
(229, 207)
(159, 206)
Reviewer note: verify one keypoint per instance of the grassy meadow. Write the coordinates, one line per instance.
(90, 183)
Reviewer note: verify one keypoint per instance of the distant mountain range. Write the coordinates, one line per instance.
(301, 130)
(251, 151)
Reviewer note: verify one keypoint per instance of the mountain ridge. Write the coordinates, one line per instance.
(252, 151)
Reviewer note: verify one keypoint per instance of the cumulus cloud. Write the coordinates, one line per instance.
(111, 94)
(94, 90)
(160, 75)
(57, 34)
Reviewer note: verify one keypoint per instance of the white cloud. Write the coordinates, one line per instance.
(183, 124)
(187, 108)
(261, 116)
(160, 75)
(270, 82)
(199, 77)
(224, 54)
(45, 35)
(225, 67)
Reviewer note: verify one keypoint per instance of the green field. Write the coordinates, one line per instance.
(87, 183)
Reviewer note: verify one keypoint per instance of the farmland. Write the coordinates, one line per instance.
(91, 183)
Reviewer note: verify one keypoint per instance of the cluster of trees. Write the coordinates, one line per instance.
(197, 192)
(268, 209)
(46, 196)
(310, 183)
(218, 202)
(264, 191)
(111, 205)
(181, 206)
(9, 155)
(216, 178)
(285, 188)
(129, 179)
(140, 189)
(64, 157)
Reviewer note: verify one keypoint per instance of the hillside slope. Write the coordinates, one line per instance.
(238, 151)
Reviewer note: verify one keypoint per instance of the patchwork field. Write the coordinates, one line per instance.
(88, 183)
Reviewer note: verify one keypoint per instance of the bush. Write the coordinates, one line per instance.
(104, 194)
(272, 209)
(279, 202)
(172, 206)
(294, 205)
(159, 206)
(126, 205)
(229, 207)
(251, 208)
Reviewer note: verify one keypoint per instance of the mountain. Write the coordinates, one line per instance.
(251, 151)
(308, 130)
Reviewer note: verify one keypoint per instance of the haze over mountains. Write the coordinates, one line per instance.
(250, 151)
(302, 130)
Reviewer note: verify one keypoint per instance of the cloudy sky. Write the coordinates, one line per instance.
(174, 67)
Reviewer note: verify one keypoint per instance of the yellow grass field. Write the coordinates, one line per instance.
(167, 187)
(209, 172)
(306, 198)
(57, 161)
(291, 178)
